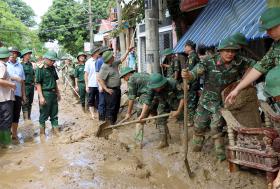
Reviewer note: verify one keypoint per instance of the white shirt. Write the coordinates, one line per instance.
(6, 93)
(90, 69)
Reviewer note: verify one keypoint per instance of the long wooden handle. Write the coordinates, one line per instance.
(136, 121)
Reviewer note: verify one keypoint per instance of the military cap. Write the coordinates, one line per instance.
(270, 18)
(52, 55)
(4, 52)
(14, 49)
(272, 81)
(104, 49)
(239, 39)
(190, 43)
(156, 80)
(167, 52)
(81, 54)
(107, 56)
(126, 70)
(228, 44)
(25, 51)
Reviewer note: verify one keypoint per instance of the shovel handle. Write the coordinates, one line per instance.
(137, 121)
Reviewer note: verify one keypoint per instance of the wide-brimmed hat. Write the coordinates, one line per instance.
(52, 55)
(94, 50)
(239, 39)
(4, 52)
(14, 49)
(228, 44)
(25, 51)
(269, 18)
(81, 54)
(156, 81)
(107, 56)
(126, 70)
(167, 52)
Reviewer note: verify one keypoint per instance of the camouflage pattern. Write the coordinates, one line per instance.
(174, 66)
(192, 61)
(168, 100)
(270, 60)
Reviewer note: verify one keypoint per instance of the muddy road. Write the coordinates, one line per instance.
(77, 159)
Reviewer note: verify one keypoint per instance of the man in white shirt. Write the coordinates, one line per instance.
(91, 82)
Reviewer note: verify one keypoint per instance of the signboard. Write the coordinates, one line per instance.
(188, 5)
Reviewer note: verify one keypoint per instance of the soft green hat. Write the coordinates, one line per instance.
(107, 56)
(94, 50)
(270, 18)
(52, 55)
(239, 39)
(125, 71)
(167, 52)
(81, 54)
(4, 52)
(156, 81)
(272, 81)
(228, 44)
(25, 51)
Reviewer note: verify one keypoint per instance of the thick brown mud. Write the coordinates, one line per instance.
(77, 159)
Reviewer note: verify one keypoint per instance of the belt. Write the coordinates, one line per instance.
(276, 99)
(49, 90)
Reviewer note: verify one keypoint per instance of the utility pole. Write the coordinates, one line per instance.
(152, 35)
(90, 24)
(121, 35)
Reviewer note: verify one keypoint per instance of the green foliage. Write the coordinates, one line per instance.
(67, 22)
(273, 3)
(22, 11)
(14, 33)
(133, 12)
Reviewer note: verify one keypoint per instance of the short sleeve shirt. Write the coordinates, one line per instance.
(46, 76)
(99, 63)
(29, 73)
(16, 70)
(90, 69)
(79, 72)
(110, 74)
(6, 94)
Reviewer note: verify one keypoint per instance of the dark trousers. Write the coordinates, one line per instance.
(6, 115)
(93, 97)
(102, 106)
(113, 105)
(17, 109)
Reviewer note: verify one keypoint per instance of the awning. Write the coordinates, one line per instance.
(222, 18)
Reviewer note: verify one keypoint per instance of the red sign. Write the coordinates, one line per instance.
(188, 5)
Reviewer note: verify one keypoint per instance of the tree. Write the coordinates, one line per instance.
(67, 22)
(14, 33)
(22, 11)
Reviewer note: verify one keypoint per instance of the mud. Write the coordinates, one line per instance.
(77, 159)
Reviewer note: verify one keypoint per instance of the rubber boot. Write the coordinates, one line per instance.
(219, 148)
(25, 116)
(55, 131)
(197, 141)
(139, 135)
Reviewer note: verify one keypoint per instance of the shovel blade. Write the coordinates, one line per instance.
(102, 131)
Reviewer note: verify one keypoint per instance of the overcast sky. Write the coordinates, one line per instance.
(40, 7)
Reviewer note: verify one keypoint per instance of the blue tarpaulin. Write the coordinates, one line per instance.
(222, 18)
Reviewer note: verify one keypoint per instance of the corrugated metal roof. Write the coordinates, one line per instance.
(222, 18)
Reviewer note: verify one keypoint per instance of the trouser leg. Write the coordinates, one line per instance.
(82, 94)
(112, 105)
(162, 126)
(53, 110)
(6, 119)
(16, 116)
(44, 110)
(192, 105)
(102, 106)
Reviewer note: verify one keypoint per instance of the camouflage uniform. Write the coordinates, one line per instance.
(168, 100)
(217, 77)
(174, 66)
(192, 61)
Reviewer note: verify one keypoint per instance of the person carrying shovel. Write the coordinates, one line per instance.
(170, 98)
(137, 90)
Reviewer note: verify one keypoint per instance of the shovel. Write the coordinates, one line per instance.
(105, 130)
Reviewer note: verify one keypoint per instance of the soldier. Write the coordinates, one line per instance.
(191, 62)
(170, 98)
(171, 64)
(137, 89)
(49, 95)
(29, 83)
(79, 74)
(219, 71)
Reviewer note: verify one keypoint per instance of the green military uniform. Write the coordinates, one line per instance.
(46, 76)
(29, 84)
(168, 100)
(192, 61)
(79, 74)
(217, 77)
(174, 64)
